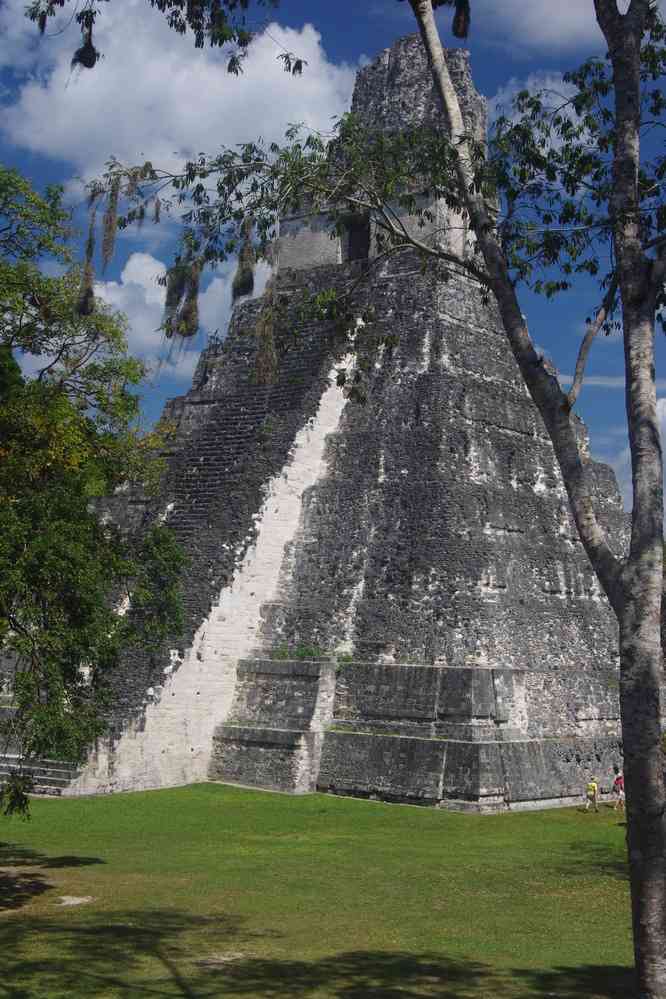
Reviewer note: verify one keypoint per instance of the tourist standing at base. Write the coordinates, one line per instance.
(592, 794)
(618, 790)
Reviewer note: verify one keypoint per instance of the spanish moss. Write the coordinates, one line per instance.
(86, 303)
(110, 222)
(176, 279)
(132, 182)
(187, 323)
(461, 19)
(243, 283)
(87, 55)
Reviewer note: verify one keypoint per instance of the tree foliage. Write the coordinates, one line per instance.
(552, 160)
(219, 23)
(68, 437)
(546, 172)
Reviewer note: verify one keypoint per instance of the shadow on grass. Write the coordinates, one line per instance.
(172, 954)
(591, 859)
(18, 886)
(379, 975)
(589, 980)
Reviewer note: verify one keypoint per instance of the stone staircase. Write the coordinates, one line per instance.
(50, 777)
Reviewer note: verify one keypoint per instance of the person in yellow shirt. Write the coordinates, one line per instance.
(592, 794)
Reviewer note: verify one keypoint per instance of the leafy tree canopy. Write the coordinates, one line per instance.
(547, 170)
(68, 437)
(218, 23)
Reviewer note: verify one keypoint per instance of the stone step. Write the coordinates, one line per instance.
(43, 768)
(50, 777)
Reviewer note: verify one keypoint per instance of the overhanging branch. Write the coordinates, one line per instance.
(592, 330)
(544, 389)
(382, 218)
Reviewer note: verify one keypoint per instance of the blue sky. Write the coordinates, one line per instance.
(155, 96)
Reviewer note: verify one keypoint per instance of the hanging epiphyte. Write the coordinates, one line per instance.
(243, 283)
(461, 19)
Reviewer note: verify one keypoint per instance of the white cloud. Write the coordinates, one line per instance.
(538, 26)
(141, 298)
(502, 101)
(215, 301)
(540, 23)
(19, 39)
(153, 95)
(607, 382)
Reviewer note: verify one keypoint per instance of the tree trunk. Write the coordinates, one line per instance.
(641, 653)
(635, 588)
(640, 674)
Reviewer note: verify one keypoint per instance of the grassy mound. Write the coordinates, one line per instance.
(216, 891)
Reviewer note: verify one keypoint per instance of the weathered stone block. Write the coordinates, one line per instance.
(394, 768)
(373, 691)
(276, 759)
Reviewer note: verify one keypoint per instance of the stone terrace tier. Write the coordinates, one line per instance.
(472, 738)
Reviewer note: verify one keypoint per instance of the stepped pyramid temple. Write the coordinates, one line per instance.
(384, 600)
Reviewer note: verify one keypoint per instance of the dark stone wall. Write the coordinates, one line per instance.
(442, 533)
(256, 757)
(482, 776)
(273, 735)
(475, 703)
(387, 767)
(282, 694)
(397, 91)
(470, 738)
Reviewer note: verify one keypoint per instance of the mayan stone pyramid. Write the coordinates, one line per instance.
(387, 599)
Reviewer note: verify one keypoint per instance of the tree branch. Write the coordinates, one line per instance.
(592, 330)
(402, 232)
(608, 15)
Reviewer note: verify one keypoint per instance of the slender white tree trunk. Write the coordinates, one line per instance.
(641, 654)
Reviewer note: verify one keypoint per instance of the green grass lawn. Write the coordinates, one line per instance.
(216, 891)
